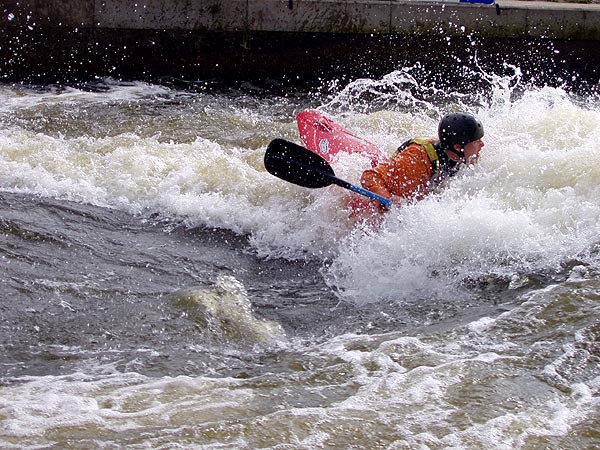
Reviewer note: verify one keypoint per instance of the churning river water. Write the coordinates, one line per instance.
(161, 290)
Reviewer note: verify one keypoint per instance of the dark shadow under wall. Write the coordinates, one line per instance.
(289, 59)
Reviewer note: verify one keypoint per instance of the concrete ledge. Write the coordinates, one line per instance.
(47, 13)
(549, 19)
(320, 16)
(224, 15)
(288, 39)
(506, 19)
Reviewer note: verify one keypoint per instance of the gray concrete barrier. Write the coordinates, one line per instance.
(90, 36)
(505, 19)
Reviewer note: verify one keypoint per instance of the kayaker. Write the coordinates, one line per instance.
(420, 164)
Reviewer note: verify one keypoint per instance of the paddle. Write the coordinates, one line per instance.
(296, 164)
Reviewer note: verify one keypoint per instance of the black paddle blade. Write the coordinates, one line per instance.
(296, 164)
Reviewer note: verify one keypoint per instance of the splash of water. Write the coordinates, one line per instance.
(224, 313)
(527, 207)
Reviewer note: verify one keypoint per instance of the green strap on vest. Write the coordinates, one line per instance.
(431, 153)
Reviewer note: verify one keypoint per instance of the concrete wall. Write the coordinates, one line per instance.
(65, 39)
(510, 19)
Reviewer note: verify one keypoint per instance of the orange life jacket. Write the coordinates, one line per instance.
(408, 173)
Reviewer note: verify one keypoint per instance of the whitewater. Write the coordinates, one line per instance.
(162, 290)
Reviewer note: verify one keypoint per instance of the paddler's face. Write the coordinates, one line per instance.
(472, 150)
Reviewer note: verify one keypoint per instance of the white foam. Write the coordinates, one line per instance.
(41, 410)
(109, 90)
(224, 312)
(529, 205)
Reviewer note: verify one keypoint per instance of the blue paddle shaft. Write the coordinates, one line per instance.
(384, 201)
(372, 195)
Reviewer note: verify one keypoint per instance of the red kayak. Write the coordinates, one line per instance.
(324, 137)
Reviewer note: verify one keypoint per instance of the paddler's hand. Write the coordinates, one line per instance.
(381, 207)
(396, 200)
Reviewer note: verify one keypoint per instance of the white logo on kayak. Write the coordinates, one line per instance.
(324, 146)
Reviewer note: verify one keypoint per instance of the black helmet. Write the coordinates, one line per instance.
(459, 128)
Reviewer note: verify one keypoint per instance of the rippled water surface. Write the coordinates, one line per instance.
(162, 290)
